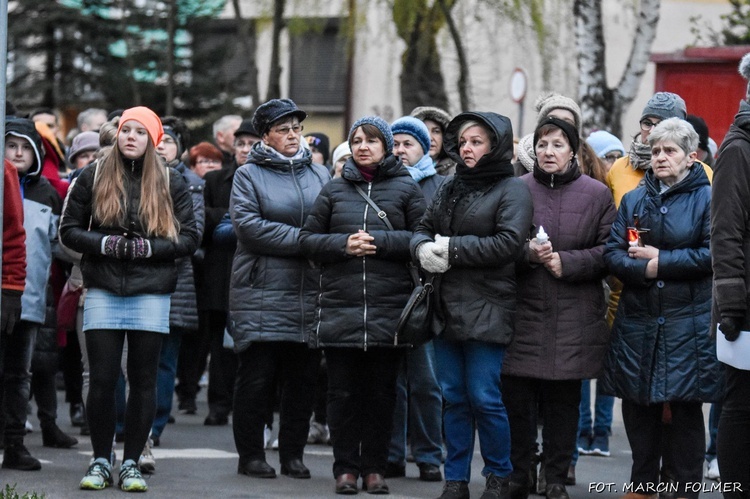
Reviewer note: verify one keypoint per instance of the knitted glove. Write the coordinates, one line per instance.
(730, 326)
(139, 248)
(11, 310)
(429, 260)
(443, 246)
(116, 247)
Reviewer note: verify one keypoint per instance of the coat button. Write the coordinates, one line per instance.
(661, 320)
(659, 284)
(664, 210)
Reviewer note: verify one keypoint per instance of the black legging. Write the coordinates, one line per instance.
(105, 354)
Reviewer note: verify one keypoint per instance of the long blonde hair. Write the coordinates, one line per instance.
(111, 201)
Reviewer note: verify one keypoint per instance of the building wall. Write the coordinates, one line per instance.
(495, 46)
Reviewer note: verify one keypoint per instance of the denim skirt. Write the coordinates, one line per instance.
(104, 310)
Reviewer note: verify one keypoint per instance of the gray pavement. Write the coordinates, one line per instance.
(195, 461)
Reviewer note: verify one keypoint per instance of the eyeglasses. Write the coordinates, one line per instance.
(208, 162)
(647, 125)
(611, 158)
(284, 130)
(244, 143)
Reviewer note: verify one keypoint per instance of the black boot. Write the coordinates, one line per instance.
(52, 436)
(77, 414)
(17, 457)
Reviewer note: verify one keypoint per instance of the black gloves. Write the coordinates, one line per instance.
(730, 326)
(11, 310)
(126, 249)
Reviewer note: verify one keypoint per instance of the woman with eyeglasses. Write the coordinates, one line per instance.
(205, 157)
(273, 290)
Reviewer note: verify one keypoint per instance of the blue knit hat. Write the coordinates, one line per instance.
(378, 123)
(603, 143)
(665, 105)
(414, 127)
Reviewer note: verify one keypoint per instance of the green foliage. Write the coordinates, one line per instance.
(10, 493)
(737, 30)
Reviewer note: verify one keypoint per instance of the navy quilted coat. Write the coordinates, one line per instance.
(662, 349)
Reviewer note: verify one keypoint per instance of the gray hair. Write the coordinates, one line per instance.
(675, 130)
(225, 122)
(86, 115)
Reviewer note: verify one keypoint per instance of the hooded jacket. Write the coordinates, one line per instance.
(361, 298)
(730, 230)
(41, 214)
(561, 332)
(662, 349)
(82, 233)
(476, 298)
(273, 287)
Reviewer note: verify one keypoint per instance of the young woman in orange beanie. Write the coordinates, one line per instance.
(131, 218)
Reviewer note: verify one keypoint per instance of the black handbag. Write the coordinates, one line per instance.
(415, 324)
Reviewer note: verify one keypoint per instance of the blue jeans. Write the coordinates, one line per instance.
(418, 395)
(165, 377)
(469, 375)
(713, 430)
(15, 363)
(602, 423)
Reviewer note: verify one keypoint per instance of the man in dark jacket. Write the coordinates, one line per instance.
(212, 286)
(730, 230)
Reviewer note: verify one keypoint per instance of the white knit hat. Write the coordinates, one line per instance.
(745, 72)
(552, 100)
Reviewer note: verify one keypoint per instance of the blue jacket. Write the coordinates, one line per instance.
(662, 349)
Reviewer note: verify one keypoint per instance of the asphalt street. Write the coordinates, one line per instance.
(196, 461)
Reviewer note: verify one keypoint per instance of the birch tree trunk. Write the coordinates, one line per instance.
(603, 106)
(171, 32)
(274, 79)
(243, 34)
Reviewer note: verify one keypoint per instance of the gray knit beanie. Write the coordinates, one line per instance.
(378, 123)
(745, 72)
(665, 105)
(552, 100)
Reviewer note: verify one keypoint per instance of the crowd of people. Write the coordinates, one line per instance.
(560, 265)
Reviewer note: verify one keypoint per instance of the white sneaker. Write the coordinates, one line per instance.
(318, 434)
(147, 463)
(29, 427)
(712, 470)
(266, 437)
(275, 444)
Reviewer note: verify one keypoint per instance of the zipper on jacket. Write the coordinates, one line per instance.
(302, 221)
(364, 267)
(319, 308)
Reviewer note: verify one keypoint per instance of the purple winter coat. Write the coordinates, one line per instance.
(560, 330)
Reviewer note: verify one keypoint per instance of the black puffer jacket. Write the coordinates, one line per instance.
(183, 312)
(361, 298)
(476, 297)
(154, 275)
(273, 288)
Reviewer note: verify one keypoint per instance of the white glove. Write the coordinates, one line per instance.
(443, 245)
(430, 260)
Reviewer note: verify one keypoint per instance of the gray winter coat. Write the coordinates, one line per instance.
(273, 286)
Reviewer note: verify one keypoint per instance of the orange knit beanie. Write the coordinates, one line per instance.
(145, 117)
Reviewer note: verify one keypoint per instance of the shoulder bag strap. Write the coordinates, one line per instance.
(381, 214)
